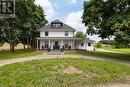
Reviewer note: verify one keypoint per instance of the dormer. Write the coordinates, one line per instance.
(56, 24)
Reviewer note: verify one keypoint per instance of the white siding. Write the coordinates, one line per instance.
(90, 47)
(57, 34)
(86, 47)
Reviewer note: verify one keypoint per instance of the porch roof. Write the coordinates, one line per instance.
(65, 38)
(60, 38)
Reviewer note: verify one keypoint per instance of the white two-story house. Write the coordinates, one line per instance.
(57, 35)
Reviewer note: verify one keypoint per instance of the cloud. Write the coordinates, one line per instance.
(72, 1)
(48, 8)
(74, 19)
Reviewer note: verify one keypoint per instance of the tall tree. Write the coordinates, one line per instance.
(31, 18)
(100, 15)
(2, 34)
(23, 28)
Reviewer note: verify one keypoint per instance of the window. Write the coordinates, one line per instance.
(82, 44)
(66, 33)
(46, 33)
(89, 44)
(56, 24)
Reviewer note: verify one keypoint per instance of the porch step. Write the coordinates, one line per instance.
(54, 52)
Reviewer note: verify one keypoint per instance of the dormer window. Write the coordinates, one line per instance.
(56, 24)
(46, 33)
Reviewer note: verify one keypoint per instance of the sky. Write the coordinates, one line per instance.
(68, 11)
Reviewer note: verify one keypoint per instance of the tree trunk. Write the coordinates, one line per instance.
(10, 46)
(24, 43)
(33, 43)
(24, 46)
(13, 48)
(27, 42)
(30, 42)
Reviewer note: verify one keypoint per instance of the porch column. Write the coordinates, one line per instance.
(37, 44)
(73, 42)
(49, 44)
(61, 44)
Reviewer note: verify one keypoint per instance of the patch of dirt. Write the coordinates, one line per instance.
(71, 70)
(89, 75)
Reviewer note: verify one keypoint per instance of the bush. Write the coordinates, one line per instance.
(98, 45)
(120, 45)
(49, 49)
(62, 49)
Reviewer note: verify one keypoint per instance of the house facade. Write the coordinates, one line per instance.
(57, 35)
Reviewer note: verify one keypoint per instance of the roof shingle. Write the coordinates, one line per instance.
(50, 27)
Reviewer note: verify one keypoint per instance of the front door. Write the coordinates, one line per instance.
(56, 46)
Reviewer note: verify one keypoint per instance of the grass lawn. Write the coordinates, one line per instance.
(126, 50)
(101, 54)
(51, 73)
(18, 54)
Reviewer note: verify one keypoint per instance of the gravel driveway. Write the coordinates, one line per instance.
(45, 56)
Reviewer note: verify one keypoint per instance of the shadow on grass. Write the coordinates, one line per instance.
(100, 54)
(18, 54)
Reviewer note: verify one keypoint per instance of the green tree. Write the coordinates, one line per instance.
(122, 34)
(2, 34)
(80, 35)
(12, 33)
(31, 17)
(107, 42)
(100, 15)
(23, 28)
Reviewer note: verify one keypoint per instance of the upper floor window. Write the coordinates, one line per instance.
(46, 33)
(89, 44)
(66, 33)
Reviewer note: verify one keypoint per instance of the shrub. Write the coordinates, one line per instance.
(98, 45)
(120, 45)
(62, 49)
(49, 49)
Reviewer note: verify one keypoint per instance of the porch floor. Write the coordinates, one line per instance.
(55, 52)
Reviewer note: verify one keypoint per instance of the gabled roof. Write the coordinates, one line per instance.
(63, 27)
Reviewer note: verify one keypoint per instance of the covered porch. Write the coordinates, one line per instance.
(56, 43)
